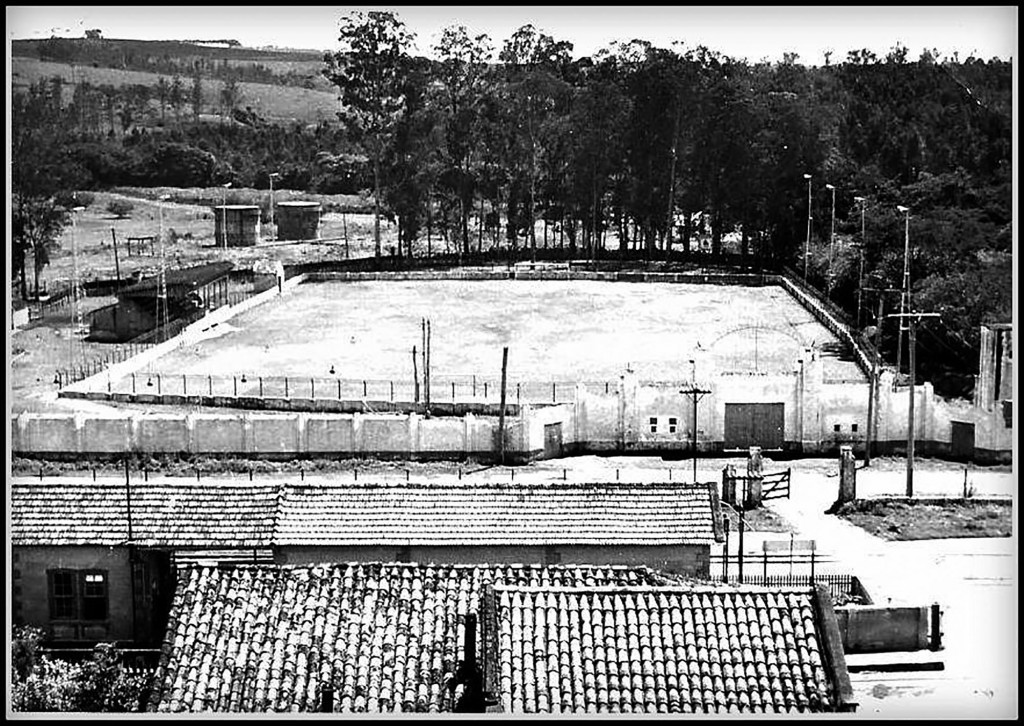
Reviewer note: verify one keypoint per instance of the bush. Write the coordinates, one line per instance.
(120, 208)
(41, 683)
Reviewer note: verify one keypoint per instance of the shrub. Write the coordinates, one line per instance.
(120, 208)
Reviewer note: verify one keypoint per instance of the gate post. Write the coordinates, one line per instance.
(847, 475)
(752, 495)
(729, 485)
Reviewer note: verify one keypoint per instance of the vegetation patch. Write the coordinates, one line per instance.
(912, 520)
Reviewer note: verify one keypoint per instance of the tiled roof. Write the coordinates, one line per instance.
(387, 637)
(176, 276)
(657, 650)
(185, 515)
(352, 514)
(479, 514)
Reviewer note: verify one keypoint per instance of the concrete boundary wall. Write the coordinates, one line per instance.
(264, 435)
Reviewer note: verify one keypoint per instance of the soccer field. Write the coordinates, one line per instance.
(555, 330)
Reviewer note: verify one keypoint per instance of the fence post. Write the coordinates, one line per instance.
(485, 389)
(184, 384)
(339, 389)
(209, 382)
(235, 379)
(261, 385)
(935, 641)
(552, 391)
(286, 386)
(517, 394)
(312, 388)
(474, 385)
(364, 389)
(453, 390)
(766, 566)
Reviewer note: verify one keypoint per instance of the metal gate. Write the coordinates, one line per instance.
(962, 439)
(552, 440)
(775, 486)
(754, 424)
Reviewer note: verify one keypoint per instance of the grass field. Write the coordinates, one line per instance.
(919, 520)
(555, 330)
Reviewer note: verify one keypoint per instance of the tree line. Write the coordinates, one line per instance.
(646, 149)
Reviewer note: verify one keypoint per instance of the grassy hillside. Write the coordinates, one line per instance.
(274, 102)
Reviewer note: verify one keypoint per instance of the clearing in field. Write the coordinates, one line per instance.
(555, 330)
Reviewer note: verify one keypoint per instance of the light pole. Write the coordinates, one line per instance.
(807, 243)
(273, 230)
(860, 273)
(76, 316)
(224, 215)
(831, 239)
(161, 292)
(905, 302)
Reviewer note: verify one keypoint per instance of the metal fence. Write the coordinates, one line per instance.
(443, 389)
(118, 354)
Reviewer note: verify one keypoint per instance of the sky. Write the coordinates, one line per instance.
(751, 32)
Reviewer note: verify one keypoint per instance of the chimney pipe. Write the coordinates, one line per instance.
(326, 699)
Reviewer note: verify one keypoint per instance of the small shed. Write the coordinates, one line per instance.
(298, 221)
(241, 224)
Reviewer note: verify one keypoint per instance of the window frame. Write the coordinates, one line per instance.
(82, 602)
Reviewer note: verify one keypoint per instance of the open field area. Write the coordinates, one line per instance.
(555, 330)
(899, 520)
(272, 101)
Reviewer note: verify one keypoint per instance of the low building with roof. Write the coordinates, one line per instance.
(190, 292)
(94, 561)
(79, 546)
(401, 637)
(669, 526)
(690, 649)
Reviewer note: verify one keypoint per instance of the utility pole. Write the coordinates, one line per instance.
(905, 303)
(831, 240)
(807, 243)
(273, 229)
(872, 432)
(501, 410)
(911, 319)
(697, 394)
(860, 273)
(117, 263)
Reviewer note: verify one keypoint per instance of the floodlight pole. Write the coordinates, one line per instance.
(905, 301)
(273, 229)
(831, 240)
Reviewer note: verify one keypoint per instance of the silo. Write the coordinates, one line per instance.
(298, 221)
(242, 223)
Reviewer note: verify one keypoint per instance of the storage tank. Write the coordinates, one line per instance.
(241, 223)
(298, 220)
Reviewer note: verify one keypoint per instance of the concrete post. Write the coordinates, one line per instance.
(752, 498)
(729, 485)
(847, 475)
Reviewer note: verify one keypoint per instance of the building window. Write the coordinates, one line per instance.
(94, 596)
(78, 594)
(853, 428)
(673, 423)
(837, 428)
(654, 424)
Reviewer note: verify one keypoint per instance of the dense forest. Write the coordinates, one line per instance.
(659, 149)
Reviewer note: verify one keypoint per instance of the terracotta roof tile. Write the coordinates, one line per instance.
(693, 668)
(182, 514)
(462, 514)
(387, 636)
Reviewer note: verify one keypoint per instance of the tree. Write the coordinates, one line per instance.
(230, 96)
(120, 208)
(462, 64)
(535, 64)
(196, 96)
(368, 72)
(176, 96)
(162, 92)
(39, 171)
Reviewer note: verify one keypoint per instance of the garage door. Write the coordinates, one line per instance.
(754, 424)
